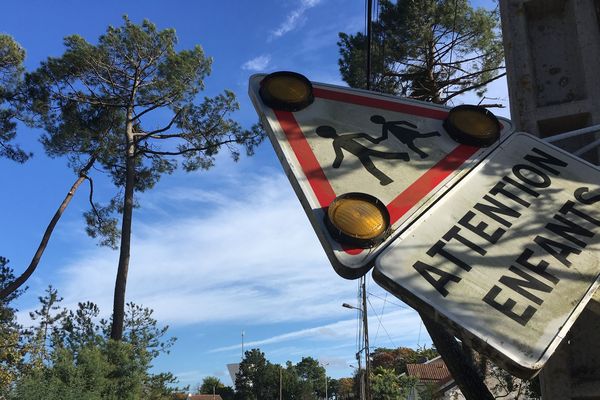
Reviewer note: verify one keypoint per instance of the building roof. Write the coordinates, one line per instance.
(435, 372)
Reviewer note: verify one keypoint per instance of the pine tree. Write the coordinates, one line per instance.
(431, 50)
(12, 349)
(129, 106)
(47, 318)
(11, 73)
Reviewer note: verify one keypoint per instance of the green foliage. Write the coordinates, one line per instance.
(226, 393)
(257, 378)
(70, 355)
(260, 379)
(345, 388)
(46, 330)
(212, 384)
(209, 384)
(396, 359)
(103, 372)
(11, 71)
(431, 50)
(160, 387)
(312, 376)
(12, 349)
(386, 384)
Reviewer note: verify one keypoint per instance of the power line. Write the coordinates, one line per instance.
(381, 323)
(387, 301)
(382, 310)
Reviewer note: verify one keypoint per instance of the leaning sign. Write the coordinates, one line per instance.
(509, 257)
(349, 140)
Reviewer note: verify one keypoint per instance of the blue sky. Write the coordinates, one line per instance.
(214, 253)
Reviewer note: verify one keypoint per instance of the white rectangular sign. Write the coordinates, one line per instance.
(509, 257)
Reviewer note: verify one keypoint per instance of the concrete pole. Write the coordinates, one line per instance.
(552, 48)
(366, 333)
(361, 382)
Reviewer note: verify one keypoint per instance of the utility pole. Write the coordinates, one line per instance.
(361, 378)
(324, 365)
(366, 333)
(369, 40)
(242, 345)
(280, 382)
(365, 388)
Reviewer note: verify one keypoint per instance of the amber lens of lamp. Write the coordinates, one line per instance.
(357, 218)
(474, 123)
(287, 89)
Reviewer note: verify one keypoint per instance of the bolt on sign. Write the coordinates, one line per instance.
(508, 258)
(338, 143)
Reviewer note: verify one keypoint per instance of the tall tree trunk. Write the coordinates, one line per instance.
(14, 285)
(116, 332)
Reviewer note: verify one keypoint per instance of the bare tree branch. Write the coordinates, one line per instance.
(14, 285)
(474, 87)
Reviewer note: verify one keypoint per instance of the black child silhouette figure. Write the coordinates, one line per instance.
(403, 134)
(348, 142)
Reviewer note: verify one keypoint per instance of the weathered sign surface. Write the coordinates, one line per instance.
(509, 257)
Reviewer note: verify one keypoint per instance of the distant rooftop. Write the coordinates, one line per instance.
(434, 371)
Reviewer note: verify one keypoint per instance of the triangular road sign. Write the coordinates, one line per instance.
(349, 140)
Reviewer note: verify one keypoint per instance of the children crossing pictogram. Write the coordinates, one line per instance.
(404, 135)
(349, 143)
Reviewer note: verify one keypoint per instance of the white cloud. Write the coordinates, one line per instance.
(259, 63)
(235, 250)
(242, 252)
(401, 325)
(294, 18)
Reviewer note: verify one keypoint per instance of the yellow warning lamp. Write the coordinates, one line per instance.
(286, 91)
(473, 125)
(358, 219)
